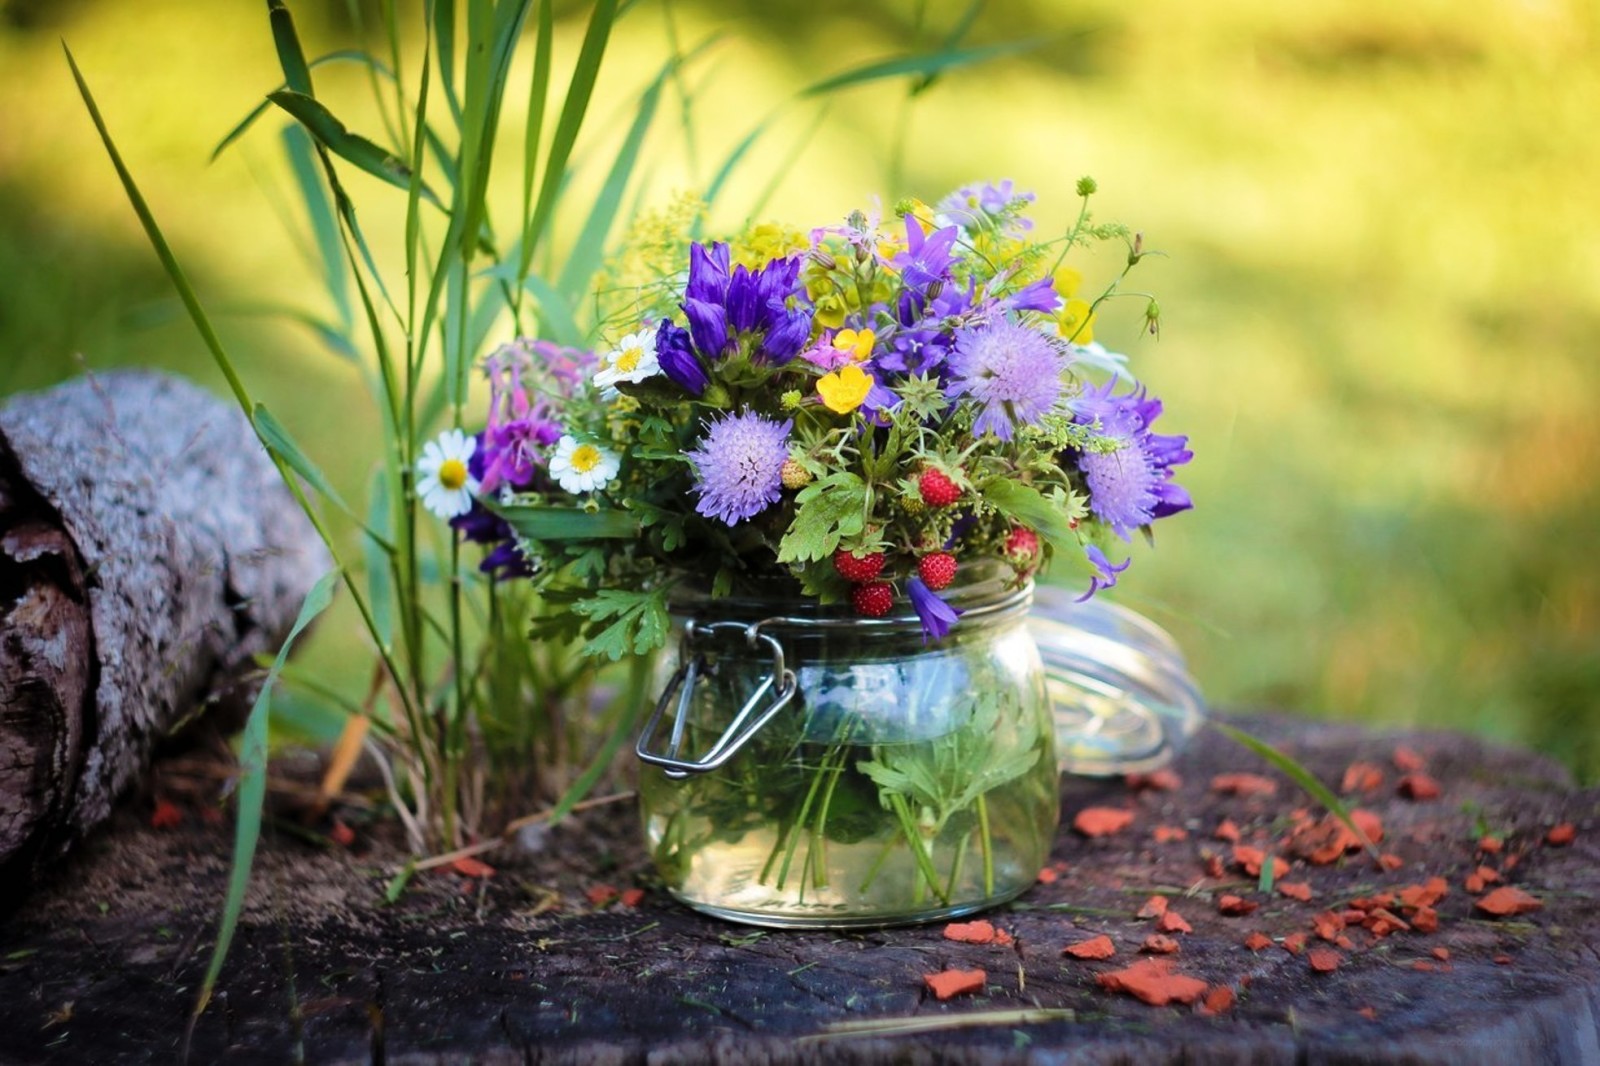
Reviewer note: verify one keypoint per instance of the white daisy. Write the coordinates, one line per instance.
(583, 467)
(633, 359)
(443, 481)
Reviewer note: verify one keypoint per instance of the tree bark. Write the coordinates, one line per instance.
(148, 551)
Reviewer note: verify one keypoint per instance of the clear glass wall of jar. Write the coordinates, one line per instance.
(809, 768)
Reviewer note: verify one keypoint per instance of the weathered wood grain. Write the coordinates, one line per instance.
(147, 552)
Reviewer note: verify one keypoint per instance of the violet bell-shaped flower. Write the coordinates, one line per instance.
(936, 615)
(675, 353)
(1106, 577)
(927, 257)
(723, 304)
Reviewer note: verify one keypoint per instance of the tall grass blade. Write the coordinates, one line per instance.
(291, 57)
(349, 55)
(538, 97)
(556, 318)
(324, 226)
(380, 580)
(444, 33)
(579, 90)
(276, 437)
(926, 64)
(586, 255)
(1300, 775)
(163, 251)
(735, 157)
(253, 789)
(351, 147)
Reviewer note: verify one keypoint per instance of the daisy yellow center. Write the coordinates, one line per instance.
(628, 359)
(585, 458)
(452, 474)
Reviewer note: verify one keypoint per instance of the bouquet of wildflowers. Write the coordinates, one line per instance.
(856, 415)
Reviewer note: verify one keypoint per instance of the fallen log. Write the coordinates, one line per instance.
(148, 551)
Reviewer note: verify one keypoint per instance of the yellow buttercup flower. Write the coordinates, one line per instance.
(845, 389)
(1067, 282)
(1075, 322)
(856, 342)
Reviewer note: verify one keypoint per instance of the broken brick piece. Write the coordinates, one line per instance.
(1047, 876)
(1442, 954)
(1324, 960)
(1154, 907)
(1474, 884)
(1561, 835)
(1300, 890)
(1155, 781)
(1156, 944)
(1227, 831)
(1236, 905)
(1257, 941)
(600, 895)
(1294, 943)
(166, 815)
(979, 932)
(1426, 920)
(1424, 895)
(1167, 834)
(1102, 821)
(1361, 777)
(1419, 786)
(950, 983)
(1507, 901)
(1489, 875)
(1244, 785)
(467, 866)
(1218, 1000)
(631, 897)
(1407, 761)
(1490, 845)
(1099, 947)
(1251, 860)
(1172, 922)
(1153, 981)
(1327, 925)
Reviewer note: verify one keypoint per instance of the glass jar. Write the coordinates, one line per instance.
(813, 769)
(1121, 694)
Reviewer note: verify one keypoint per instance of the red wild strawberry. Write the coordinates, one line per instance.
(937, 569)
(873, 600)
(853, 567)
(937, 489)
(1022, 548)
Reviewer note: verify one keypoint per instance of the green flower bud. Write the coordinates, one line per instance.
(1087, 186)
(792, 399)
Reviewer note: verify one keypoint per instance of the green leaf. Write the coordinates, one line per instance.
(825, 512)
(253, 788)
(1300, 775)
(348, 55)
(351, 147)
(567, 523)
(639, 621)
(291, 57)
(380, 581)
(397, 884)
(1019, 501)
(923, 65)
(276, 437)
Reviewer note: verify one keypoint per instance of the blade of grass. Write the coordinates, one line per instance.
(538, 98)
(291, 57)
(444, 32)
(1300, 775)
(253, 789)
(351, 147)
(924, 64)
(380, 581)
(584, 258)
(630, 702)
(568, 523)
(579, 89)
(343, 55)
(278, 439)
(324, 226)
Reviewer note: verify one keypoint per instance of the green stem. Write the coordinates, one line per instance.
(986, 842)
(877, 865)
(956, 864)
(908, 826)
(796, 830)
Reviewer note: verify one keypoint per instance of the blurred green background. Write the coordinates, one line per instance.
(1380, 287)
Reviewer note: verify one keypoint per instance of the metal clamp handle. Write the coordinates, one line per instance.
(745, 725)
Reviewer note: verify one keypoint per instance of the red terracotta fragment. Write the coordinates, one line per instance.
(1324, 960)
(1172, 922)
(954, 982)
(979, 932)
(1095, 948)
(1153, 981)
(1257, 941)
(1244, 785)
(1361, 777)
(1300, 890)
(1419, 786)
(1507, 901)
(1236, 905)
(1154, 907)
(1102, 821)
(1156, 944)
(1561, 835)
(1407, 761)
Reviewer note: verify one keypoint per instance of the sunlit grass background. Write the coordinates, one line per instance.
(1380, 289)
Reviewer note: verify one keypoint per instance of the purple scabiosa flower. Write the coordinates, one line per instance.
(974, 205)
(1130, 486)
(1107, 576)
(675, 353)
(937, 616)
(739, 466)
(1015, 372)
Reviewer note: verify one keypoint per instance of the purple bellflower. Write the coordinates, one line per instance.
(1106, 578)
(937, 616)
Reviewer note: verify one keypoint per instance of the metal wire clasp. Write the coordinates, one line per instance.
(746, 724)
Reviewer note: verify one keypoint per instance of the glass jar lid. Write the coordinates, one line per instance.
(1121, 693)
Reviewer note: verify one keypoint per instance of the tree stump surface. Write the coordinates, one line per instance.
(148, 552)
(103, 964)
